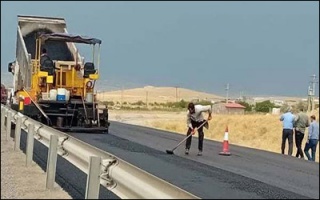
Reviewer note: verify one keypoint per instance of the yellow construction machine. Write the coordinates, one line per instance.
(52, 82)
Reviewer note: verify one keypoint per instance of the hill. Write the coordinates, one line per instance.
(156, 94)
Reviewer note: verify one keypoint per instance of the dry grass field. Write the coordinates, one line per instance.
(255, 131)
(170, 94)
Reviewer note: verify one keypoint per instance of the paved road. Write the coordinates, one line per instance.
(248, 173)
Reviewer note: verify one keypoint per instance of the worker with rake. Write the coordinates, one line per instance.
(195, 122)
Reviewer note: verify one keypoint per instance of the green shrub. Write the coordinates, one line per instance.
(139, 103)
(265, 106)
(108, 103)
(247, 105)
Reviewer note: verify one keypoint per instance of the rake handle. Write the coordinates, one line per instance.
(181, 142)
(188, 136)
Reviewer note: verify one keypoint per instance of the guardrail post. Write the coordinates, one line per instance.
(30, 141)
(93, 178)
(3, 115)
(17, 134)
(52, 162)
(9, 117)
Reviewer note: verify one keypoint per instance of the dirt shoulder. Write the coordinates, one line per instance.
(143, 118)
(21, 182)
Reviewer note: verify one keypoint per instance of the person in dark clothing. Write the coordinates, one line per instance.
(301, 122)
(44, 52)
(47, 65)
(44, 56)
(194, 120)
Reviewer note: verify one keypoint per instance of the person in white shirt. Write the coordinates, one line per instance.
(194, 120)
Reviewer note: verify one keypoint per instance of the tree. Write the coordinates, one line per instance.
(181, 104)
(205, 102)
(284, 108)
(265, 106)
(247, 105)
(108, 103)
(139, 103)
(301, 105)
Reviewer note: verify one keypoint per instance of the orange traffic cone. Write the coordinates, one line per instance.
(225, 150)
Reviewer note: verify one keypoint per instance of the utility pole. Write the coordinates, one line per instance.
(176, 94)
(313, 90)
(311, 93)
(227, 89)
(147, 99)
(121, 96)
(309, 98)
(244, 96)
(103, 94)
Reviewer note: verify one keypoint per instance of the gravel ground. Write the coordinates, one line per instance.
(20, 182)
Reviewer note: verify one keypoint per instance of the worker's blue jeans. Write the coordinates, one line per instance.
(312, 144)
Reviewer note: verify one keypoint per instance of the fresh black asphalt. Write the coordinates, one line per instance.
(247, 173)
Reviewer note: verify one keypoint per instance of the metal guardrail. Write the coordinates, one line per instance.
(117, 175)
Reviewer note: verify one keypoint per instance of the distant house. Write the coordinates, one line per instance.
(229, 108)
(278, 102)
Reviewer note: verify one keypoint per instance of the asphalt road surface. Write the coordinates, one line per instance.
(247, 173)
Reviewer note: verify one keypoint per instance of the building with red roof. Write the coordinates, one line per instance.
(228, 108)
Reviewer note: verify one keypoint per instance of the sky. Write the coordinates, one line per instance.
(259, 48)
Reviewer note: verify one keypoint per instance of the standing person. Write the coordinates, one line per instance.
(287, 132)
(313, 138)
(301, 122)
(194, 120)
